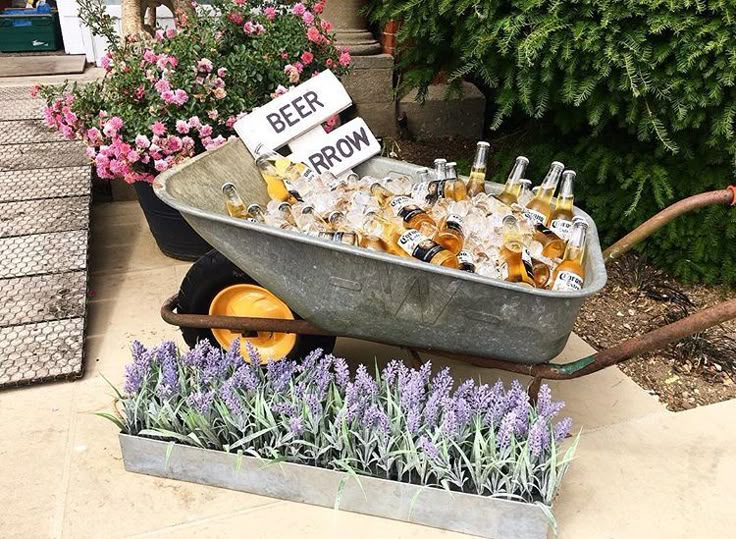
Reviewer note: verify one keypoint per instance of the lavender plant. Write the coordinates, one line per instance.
(401, 424)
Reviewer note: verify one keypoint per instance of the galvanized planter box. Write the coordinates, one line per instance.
(467, 513)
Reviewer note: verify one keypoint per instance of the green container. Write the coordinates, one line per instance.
(26, 32)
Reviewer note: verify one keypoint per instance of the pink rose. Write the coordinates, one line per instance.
(313, 34)
(170, 32)
(345, 58)
(205, 130)
(270, 13)
(215, 143)
(194, 122)
(162, 86)
(205, 65)
(307, 57)
(182, 127)
(326, 25)
(160, 165)
(308, 18)
(249, 28)
(298, 9)
(180, 97)
(222, 72)
(235, 18)
(133, 156)
(158, 128)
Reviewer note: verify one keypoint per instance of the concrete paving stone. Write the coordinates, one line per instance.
(33, 184)
(56, 252)
(36, 351)
(370, 85)
(27, 132)
(42, 298)
(44, 216)
(42, 155)
(21, 109)
(11, 93)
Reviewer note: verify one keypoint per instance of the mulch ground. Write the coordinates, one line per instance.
(638, 298)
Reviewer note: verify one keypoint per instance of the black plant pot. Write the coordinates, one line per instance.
(172, 233)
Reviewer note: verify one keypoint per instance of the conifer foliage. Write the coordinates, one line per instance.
(637, 95)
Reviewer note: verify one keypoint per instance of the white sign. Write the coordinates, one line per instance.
(297, 111)
(340, 150)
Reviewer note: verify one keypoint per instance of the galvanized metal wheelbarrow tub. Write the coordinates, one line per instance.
(349, 291)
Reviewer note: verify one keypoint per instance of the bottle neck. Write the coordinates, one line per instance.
(575, 249)
(481, 157)
(552, 178)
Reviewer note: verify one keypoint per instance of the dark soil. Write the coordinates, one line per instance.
(638, 298)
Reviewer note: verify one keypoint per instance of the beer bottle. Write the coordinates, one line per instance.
(466, 261)
(447, 185)
(256, 214)
(378, 227)
(233, 203)
(280, 174)
(561, 218)
(510, 193)
(517, 262)
(477, 179)
(422, 248)
(401, 206)
(337, 221)
(440, 169)
(346, 238)
(450, 233)
(552, 245)
(539, 208)
(308, 220)
(569, 276)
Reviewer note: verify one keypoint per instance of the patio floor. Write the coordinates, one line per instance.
(641, 471)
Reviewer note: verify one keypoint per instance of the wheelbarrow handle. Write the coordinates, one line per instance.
(724, 196)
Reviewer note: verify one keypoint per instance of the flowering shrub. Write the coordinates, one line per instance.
(405, 424)
(179, 94)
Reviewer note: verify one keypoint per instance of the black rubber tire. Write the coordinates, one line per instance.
(209, 275)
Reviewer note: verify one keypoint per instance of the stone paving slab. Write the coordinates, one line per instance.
(15, 92)
(21, 109)
(27, 131)
(31, 184)
(40, 352)
(43, 298)
(58, 252)
(43, 216)
(42, 155)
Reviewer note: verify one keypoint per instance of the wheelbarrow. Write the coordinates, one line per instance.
(288, 293)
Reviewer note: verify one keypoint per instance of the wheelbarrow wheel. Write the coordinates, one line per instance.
(214, 285)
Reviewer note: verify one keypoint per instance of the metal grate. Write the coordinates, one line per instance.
(16, 185)
(42, 155)
(43, 216)
(26, 132)
(42, 298)
(43, 253)
(21, 109)
(43, 351)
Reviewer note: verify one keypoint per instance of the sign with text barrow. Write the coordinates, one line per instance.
(299, 110)
(340, 150)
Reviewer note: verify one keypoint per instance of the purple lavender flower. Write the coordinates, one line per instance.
(230, 397)
(393, 371)
(546, 407)
(413, 420)
(283, 408)
(233, 357)
(375, 418)
(342, 371)
(539, 438)
(506, 430)
(365, 382)
(246, 378)
(169, 382)
(432, 409)
(279, 374)
(481, 399)
(253, 354)
(137, 370)
(562, 429)
(412, 388)
(450, 425)
(295, 425)
(309, 362)
(201, 401)
(465, 389)
(497, 406)
(196, 357)
(429, 449)
(314, 403)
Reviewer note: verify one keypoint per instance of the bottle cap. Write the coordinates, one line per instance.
(484, 143)
(522, 159)
(254, 207)
(557, 164)
(284, 206)
(439, 161)
(569, 174)
(228, 185)
(580, 219)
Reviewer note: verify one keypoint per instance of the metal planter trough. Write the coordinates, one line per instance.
(467, 513)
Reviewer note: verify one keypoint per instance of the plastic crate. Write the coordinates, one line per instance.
(28, 30)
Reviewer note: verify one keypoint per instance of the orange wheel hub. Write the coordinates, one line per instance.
(256, 302)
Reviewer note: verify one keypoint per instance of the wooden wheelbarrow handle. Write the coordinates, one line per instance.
(724, 196)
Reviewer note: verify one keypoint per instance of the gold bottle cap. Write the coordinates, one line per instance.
(227, 186)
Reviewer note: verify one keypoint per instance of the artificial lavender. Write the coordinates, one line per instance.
(402, 424)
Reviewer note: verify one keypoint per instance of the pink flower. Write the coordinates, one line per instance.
(158, 128)
(162, 86)
(90, 151)
(180, 97)
(150, 56)
(167, 96)
(326, 25)
(222, 72)
(140, 92)
(329, 62)
(133, 156)
(239, 2)
(319, 7)
(215, 143)
(205, 65)
(308, 18)
(299, 66)
(106, 62)
(230, 122)
(194, 122)
(175, 144)
(182, 127)
(235, 18)
(345, 58)
(70, 117)
(94, 136)
(249, 28)
(219, 93)
(67, 132)
(293, 73)
(212, 114)
(205, 130)
(218, 83)
(280, 90)
(307, 57)
(187, 143)
(160, 165)
(34, 90)
(170, 32)
(159, 35)
(112, 126)
(330, 123)
(313, 34)
(270, 13)
(260, 29)
(298, 9)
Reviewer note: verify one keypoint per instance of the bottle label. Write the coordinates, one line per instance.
(404, 207)
(308, 174)
(455, 222)
(534, 217)
(526, 260)
(539, 227)
(467, 261)
(428, 191)
(418, 245)
(292, 190)
(567, 281)
(562, 227)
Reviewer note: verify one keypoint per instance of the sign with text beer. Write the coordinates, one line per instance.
(296, 118)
